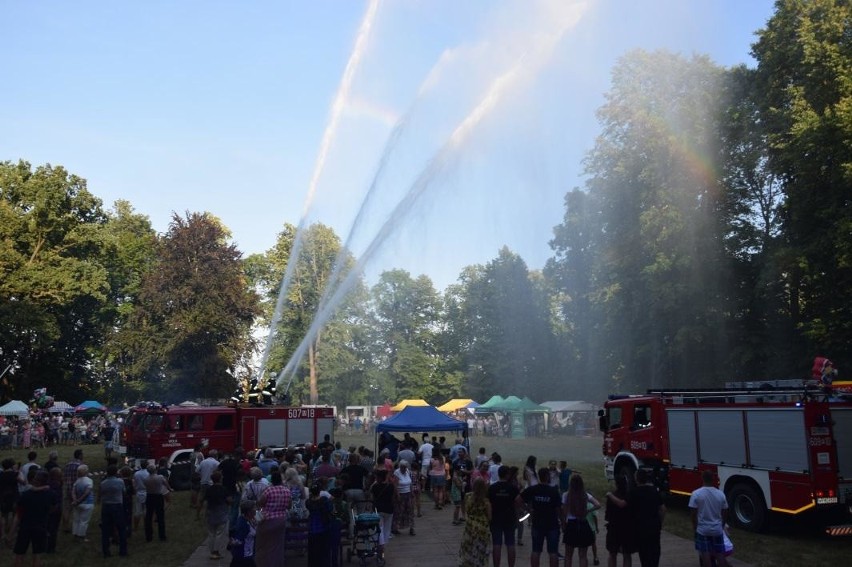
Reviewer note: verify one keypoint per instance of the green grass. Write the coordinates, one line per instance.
(184, 533)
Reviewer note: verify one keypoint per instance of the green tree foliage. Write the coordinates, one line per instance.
(499, 322)
(53, 282)
(407, 312)
(641, 262)
(191, 326)
(804, 88)
(332, 367)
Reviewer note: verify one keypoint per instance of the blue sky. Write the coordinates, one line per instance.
(221, 107)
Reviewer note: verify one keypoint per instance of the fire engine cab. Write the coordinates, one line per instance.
(781, 450)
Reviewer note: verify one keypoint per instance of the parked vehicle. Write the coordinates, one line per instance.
(781, 450)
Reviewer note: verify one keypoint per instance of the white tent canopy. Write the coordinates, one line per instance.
(569, 406)
(60, 407)
(15, 407)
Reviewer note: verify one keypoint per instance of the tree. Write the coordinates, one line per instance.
(407, 311)
(191, 327)
(54, 283)
(645, 247)
(804, 88)
(330, 353)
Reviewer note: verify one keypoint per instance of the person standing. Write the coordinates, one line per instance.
(620, 528)
(270, 543)
(156, 489)
(30, 522)
(319, 522)
(141, 494)
(111, 496)
(505, 500)
(404, 513)
(217, 503)
(543, 502)
(709, 510)
(69, 477)
(205, 470)
(82, 503)
(648, 514)
(577, 533)
(473, 551)
(383, 493)
(462, 468)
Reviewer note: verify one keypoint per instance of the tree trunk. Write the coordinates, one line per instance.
(312, 363)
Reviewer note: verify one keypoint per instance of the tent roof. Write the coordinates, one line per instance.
(59, 407)
(406, 403)
(90, 405)
(420, 418)
(569, 406)
(528, 405)
(456, 404)
(15, 407)
(492, 401)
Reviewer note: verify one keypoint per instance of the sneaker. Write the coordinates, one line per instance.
(520, 543)
(411, 531)
(215, 555)
(596, 562)
(456, 523)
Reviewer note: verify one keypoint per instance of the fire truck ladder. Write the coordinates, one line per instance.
(738, 395)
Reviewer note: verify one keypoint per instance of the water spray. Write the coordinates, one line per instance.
(525, 66)
(340, 101)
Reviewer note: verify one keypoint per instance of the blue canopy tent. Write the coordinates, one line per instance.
(420, 419)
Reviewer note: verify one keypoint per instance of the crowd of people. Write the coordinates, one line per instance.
(41, 429)
(248, 503)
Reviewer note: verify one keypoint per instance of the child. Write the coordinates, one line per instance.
(319, 520)
(242, 536)
(339, 521)
(592, 518)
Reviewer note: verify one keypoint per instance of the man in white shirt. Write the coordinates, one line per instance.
(709, 510)
(205, 470)
(425, 452)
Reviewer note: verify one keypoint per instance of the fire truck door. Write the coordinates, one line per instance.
(248, 430)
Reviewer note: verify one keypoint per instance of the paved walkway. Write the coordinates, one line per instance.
(437, 543)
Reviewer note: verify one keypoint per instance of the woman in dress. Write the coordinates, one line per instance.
(577, 533)
(82, 503)
(298, 495)
(474, 544)
(270, 544)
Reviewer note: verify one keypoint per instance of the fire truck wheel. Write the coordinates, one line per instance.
(747, 508)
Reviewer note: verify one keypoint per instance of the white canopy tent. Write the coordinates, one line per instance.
(61, 407)
(15, 407)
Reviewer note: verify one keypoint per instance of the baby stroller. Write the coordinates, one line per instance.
(365, 538)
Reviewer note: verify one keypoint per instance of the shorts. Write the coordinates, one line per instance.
(438, 481)
(620, 539)
(139, 505)
(503, 535)
(714, 544)
(8, 504)
(35, 536)
(539, 537)
(578, 533)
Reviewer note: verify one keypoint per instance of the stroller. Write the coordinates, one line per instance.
(365, 538)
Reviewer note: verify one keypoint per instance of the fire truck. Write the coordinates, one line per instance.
(154, 431)
(772, 449)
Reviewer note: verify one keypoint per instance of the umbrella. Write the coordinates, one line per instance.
(90, 406)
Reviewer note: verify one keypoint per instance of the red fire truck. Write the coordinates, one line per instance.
(154, 431)
(772, 449)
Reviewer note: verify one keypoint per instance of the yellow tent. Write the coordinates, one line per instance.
(454, 405)
(405, 403)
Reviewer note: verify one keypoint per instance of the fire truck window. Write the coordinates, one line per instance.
(223, 422)
(173, 423)
(153, 422)
(641, 417)
(195, 423)
(614, 418)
